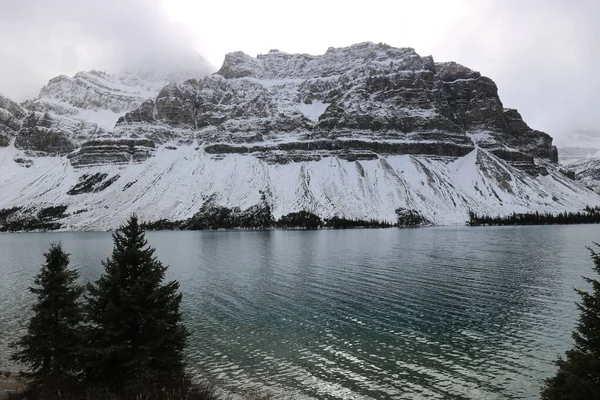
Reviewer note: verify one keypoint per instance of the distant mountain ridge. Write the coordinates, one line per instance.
(580, 154)
(357, 132)
(92, 92)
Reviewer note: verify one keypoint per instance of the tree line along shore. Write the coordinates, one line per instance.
(589, 215)
(211, 217)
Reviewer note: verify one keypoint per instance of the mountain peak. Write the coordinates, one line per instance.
(278, 64)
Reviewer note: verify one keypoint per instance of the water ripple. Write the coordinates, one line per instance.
(444, 313)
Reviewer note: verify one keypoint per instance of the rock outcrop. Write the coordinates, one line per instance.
(113, 152)
(11, 116)
(41, 134)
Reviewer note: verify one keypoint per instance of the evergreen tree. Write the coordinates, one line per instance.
(51, 346)
(578, 375)
(135, 334)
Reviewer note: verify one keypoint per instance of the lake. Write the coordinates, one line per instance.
(448, 313)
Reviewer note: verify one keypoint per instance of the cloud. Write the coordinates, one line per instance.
(40, 39)
(542, 54)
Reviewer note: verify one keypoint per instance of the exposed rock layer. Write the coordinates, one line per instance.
(11, 116)
(366, 91)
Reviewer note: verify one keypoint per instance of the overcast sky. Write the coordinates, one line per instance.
(541, 53)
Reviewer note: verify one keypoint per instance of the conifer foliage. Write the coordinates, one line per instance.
(135, 335)
(51, 346)
(589, 215)
(578, 375)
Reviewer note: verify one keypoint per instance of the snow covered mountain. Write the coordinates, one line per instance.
(69, 111)
(580, 154)
(358, 132)
(586, 171)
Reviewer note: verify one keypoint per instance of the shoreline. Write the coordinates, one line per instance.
(229, 229)
(10, 384)
(466, 225)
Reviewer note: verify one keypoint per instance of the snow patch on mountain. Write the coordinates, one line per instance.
(313, 110)
(103, 118)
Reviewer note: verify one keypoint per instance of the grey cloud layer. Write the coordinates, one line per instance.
(42, 39)
(543, 56)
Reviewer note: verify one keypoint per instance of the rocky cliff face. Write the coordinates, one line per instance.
(359, 132)
(367, 99)
(11, 116)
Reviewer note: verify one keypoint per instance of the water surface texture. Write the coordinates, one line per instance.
(448, 313)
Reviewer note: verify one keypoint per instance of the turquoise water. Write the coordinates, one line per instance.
(448, 313)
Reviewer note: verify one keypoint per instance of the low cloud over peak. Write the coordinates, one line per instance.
(42, 39)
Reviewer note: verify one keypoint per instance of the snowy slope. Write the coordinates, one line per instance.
(174, 184)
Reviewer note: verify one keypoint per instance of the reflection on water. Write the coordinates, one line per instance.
(446, 313)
